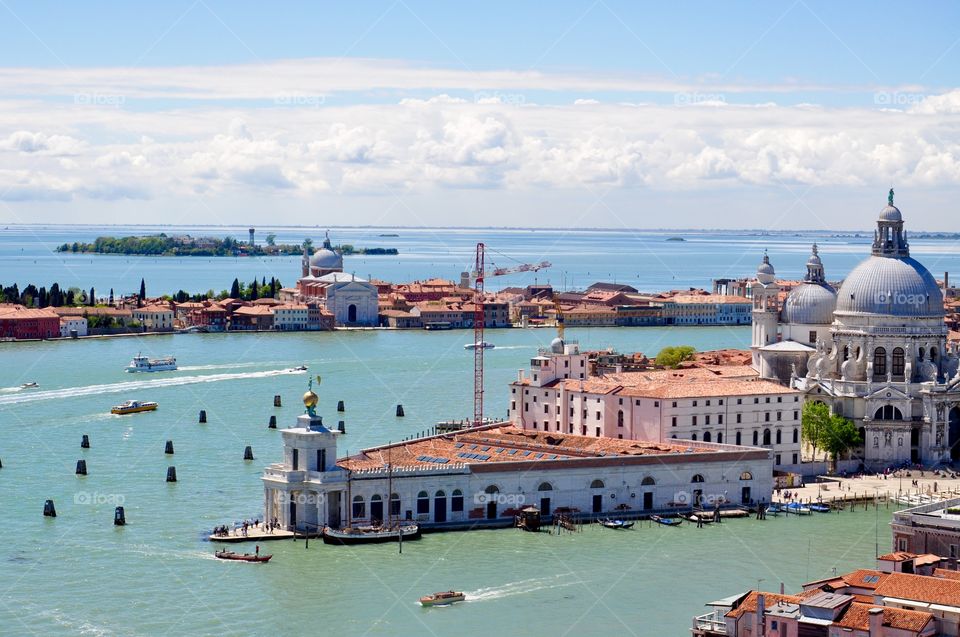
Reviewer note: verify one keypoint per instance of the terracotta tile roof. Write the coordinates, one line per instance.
(506, 443)
(749, 603)
(857, 617)
(254, 310)
(946, 573)
(897, 556)
(21, 312)
(921, 588)
(864, 578)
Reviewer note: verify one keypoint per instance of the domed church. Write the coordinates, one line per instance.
(875, 351)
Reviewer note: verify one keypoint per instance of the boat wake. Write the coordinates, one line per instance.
(136, 385)
(10, 390)
(203, 368)
(520, 588)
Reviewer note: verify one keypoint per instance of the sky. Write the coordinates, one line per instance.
(772, 115)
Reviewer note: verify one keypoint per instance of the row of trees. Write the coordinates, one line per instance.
(162, 245)
(32, 296)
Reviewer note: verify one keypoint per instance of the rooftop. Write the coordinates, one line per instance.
(921, 588)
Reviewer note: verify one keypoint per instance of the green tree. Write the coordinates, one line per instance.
(235, 289)
(814, 423)
(672, 356)
(839, 437)
(271, 239)
(143, 293)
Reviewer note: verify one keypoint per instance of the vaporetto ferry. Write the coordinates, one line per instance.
(142, 363)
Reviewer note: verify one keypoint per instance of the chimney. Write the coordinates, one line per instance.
(761, 611)
(876, 622)
(946, 281)
(519, 375)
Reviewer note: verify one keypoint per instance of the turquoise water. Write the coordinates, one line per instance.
(78, 574)
(644, 259)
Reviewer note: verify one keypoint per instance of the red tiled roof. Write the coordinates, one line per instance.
(857, 617)
(749, 603)
(921, 588)
(946, 573)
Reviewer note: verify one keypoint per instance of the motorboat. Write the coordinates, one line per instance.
(480, 345)
(29, 385)
(666, 521)
(819, 507)
(616, 524)
(133, 407)
(371, 534)
(797, 509)
(243, 557)
(773, 509)
(300, 368)
(442, 599)
(142, 363)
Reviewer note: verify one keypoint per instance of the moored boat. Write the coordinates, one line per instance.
(442, 599)
(819, 507)
(243, 557)
(371, 534)
(616, 524)
(133, 407)
(666, 521)
(142, 363)
(797, 509)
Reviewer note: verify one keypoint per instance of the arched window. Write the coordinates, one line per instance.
(491, 489)
(423, 502)
(545, 486)
(746, 475)
(766, 436)
(897, 366)
(359, 508)
(596, 484)
(779, 436)
(440, 494)
(394, 504)
(648, 482)
(933, 354)
(879, 362)
(376, 498)
(796, 435)
(696, 478)
(756, 438)
(620, 418)
(693, 437)
(888, 412)
(738, 438)
(456, 500)
(719, 437)
(706, 436)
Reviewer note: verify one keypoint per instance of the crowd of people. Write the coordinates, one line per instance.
(243, 529)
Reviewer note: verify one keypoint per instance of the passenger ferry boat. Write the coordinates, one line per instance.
(442, 599)
(480, 345)
(133, 407)
(141, 363)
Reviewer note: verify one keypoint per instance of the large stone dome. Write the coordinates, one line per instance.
(810, 304)
(326, 259)
(890, 286)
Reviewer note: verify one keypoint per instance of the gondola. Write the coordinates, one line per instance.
(243, 557)
(666, 521)
(616, 524)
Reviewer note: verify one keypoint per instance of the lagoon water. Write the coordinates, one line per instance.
(78, 574)
(644, 259)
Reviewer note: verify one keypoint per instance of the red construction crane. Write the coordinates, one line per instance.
(479, 320)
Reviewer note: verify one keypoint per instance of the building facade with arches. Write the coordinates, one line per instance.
(875, 352)
(486, 475)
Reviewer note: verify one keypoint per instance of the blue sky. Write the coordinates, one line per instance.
(785, 114)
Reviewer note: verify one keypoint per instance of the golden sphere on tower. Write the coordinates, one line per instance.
(310, 399)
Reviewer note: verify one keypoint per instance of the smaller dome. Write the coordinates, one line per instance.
(310, 399)
(556, 345)
(810, 304)
(326, 259)
(890, 213)
(765, 272)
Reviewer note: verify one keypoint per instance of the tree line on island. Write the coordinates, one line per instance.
(185, 245)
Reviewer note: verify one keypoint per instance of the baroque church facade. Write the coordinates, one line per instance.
(875, 350)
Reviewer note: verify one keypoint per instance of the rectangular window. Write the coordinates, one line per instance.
(708, 403)
(812, 336)
(598, 415)
(674, 403)
(598, 432)
(673, 421)
(766, 417)
(768, 400)
(706, 419)
(719, 419)
(738, 418)
(571, 412)
(720, 402)
(694, 420)
(756, 400)
(796, 414)
(794, 458)
(739, 401)
(779, 416)
(777, 460)
(694, 403)
(620, 401)
(656, 403)
(638, 402)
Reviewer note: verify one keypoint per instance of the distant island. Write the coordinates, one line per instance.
(676, 239)
(163, 245)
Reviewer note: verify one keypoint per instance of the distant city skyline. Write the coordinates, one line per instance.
(580, 114)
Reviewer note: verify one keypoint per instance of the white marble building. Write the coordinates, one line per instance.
(486, 475)
(352, 301)
(876, 352)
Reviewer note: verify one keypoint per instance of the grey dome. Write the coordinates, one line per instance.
(326, 259)
(890, 286)
(810, 304)
(890, 213)
(765, 272)
(556, 345)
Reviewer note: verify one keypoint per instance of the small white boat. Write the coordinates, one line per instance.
(480, 345)
(142, 363)
(797, 509)
(29, 385)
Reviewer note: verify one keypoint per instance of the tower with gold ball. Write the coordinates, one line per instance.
(309, 457)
